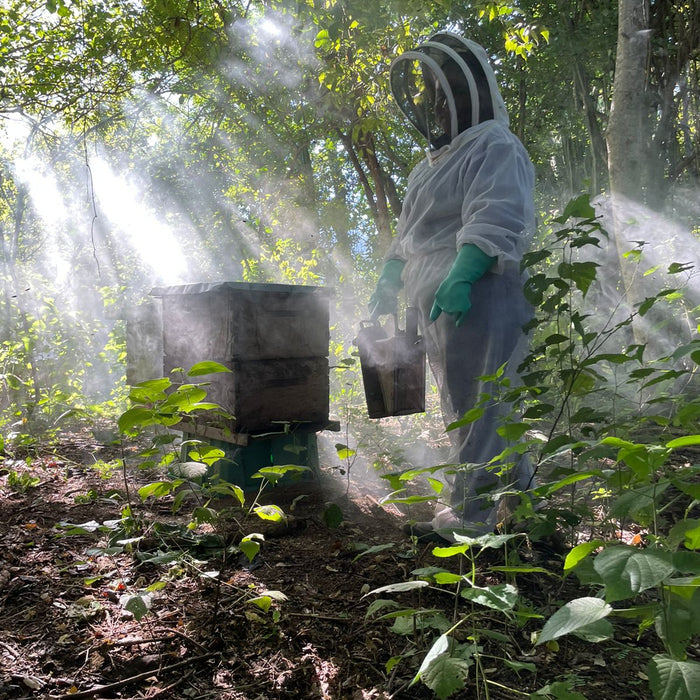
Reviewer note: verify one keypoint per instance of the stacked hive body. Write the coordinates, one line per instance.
(274, 338)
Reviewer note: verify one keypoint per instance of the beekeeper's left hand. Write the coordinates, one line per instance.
(453, 296)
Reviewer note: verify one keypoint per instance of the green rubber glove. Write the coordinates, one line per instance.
(453, 295)
(384, 299)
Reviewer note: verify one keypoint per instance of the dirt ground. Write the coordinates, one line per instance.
(65, 633)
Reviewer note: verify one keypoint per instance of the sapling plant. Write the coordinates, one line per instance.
(606, 432)
(185, 471)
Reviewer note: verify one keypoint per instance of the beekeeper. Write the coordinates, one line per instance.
(467, 220)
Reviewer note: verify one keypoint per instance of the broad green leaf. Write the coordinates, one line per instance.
(548, 489)
(332, 516)
(439, 647)
(683, 442)
(471, 416)
(581, 274)
(137, 605)
(452, 551)
(488, 541)
(274, 513)
(207, 367)
(400, 587)
(436, 485)
(189, 470)
(250, 545)
(626, 571)
(344, 452)
(380, 604)
(578, 208)
(134, 418)
(446, 674)
(157, 489)
(207, 454)
(274, 473)
(596, 632)
(264, 602)
(151, 391)
(670, 679)
(374, 550)
(512, 431)
(576, 614)
(580, 552)
(447, 578)
(518, 666)
(501, 597)
(560, 690)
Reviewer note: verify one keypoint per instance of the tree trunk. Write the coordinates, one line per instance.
(626, 139)
(626, 128)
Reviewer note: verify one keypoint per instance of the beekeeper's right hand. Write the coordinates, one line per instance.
(384, 299)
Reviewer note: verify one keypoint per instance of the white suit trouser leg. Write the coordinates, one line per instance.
(491, 336)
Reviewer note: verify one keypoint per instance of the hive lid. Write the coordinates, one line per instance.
(203, 287)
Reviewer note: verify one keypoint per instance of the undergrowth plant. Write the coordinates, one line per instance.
(187, 483)
(606, 430)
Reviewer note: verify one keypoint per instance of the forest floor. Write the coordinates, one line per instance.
(65, 631)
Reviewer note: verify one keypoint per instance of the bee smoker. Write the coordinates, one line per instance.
(393, 367)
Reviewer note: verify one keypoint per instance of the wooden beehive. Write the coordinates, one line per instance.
(273, 337)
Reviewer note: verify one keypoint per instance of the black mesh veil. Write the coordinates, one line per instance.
(443, 87)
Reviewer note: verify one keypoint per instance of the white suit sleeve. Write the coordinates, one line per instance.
(498, 206)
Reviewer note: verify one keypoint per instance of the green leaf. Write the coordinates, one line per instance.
(374, 550)
(158, 489)
(488, 541)
(560, 690)
(381, 604)
(400, 587)
(276, 473)
(582, 274)
(580, 552)
(685, 531)
(440, 646)
(518, 666)
(137, 605)
(670, 679)
(136, 417)
(250, 545)
(273, 513)
(151, 391)
(576, 614)
(264, 602)
(471, 416)
(579, 208)
(626, 571)
(683, 442)
(446, 675)
(332, 516)
(208, 367)
(189, 470)
(596, 632)
(501, 597)
(344, 452)
(512, 431)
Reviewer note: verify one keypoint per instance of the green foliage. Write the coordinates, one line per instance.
(587, 394)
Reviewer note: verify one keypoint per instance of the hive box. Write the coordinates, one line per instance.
(274, 338)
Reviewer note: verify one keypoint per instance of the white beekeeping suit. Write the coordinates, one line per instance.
(468, 218)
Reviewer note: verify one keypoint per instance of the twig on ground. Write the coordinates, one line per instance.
(182, 635)
(134, 679)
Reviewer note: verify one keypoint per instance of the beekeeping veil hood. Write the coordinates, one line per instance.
(447, 75)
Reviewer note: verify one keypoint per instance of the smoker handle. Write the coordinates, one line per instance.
(412, 324)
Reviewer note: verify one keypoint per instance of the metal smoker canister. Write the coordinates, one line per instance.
(393, 367)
